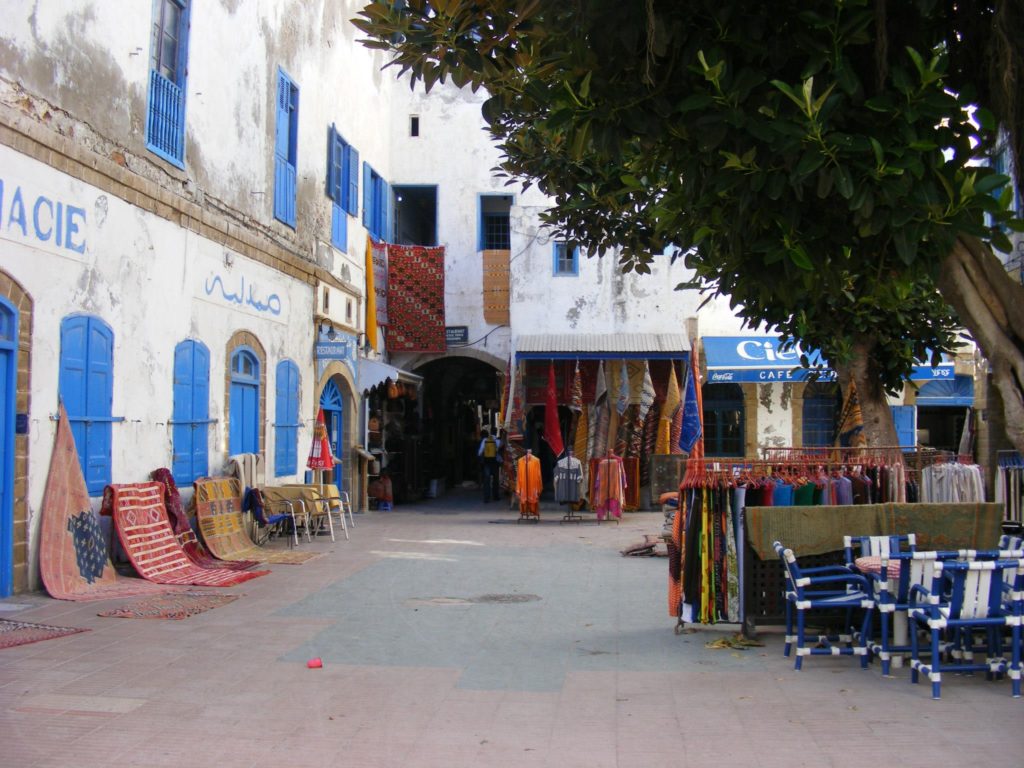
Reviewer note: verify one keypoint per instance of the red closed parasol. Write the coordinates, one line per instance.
(320, 456)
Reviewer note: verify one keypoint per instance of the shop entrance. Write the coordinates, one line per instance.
(461, 396)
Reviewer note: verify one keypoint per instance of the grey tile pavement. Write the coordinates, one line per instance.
(451, 636)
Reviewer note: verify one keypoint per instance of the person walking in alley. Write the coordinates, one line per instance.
(489, 454)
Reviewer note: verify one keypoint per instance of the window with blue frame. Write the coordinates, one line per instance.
(244, 413)
(191, 415)
(566, 260)
(286, 148)
(342, 186)
(376, 203)
(286, 426)
(723, 419)
(495, 223)
(820, 411)
(168, 60)
(86, 387)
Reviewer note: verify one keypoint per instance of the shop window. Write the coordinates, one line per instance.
(821, 408)
(286, 424)
(723, 419)
(191, 412)
(243, 431)
(86, 387)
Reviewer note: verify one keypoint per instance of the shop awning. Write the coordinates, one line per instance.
(957, 391)
(596, 346)
(761, 358)
(374, 372)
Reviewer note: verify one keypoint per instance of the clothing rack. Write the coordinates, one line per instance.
(1010, 486)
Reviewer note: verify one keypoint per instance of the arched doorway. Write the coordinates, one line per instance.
(8, 388)
(460, 395)
(333, 403)
(244, 431)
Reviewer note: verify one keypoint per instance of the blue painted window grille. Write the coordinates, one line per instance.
(566, 260)
(243, 431)
(165, 115)
(376, 204)
(286, 426)
(723, 419)
(86, 386)
(820, 411)
(191, 416)
(342, 186)
(286, 149)
(495, 229)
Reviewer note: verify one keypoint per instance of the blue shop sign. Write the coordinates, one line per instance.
(742, 359)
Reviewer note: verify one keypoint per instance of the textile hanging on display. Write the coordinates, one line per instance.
(622, 397)
(73, 559)
(668, 412)
(599, 417)
(709, 572)
(648, 438)
(528, 485)
(608, 487)
(692, 429)
(415, 299)
(576, 393)
(580, 444)
(380, 281)
(568, 480)
(851, 421)
(646, 393)
(552, 426)
(516, 423)
(371, 296)
(506, 389)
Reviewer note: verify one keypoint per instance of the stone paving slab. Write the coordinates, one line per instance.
(448, 640)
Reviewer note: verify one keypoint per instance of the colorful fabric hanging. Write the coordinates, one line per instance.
(576, 395)
(668, 412)
(415, 299)
(646, 393)
(552, 426)
(622, 397)
(600, 416)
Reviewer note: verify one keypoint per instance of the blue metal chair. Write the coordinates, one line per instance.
(831, 588)
(966, 596)
(877, 546)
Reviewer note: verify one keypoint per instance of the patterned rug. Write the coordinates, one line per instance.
(14, 633)
(218, 503)
(183, 529)
(73, 559)
(146, 535)
(415, 299)
(177, 606)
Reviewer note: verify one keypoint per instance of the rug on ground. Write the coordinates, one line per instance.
(179, 605)
(145, 533)
(219, 512)
(14, 633)
(73, 559)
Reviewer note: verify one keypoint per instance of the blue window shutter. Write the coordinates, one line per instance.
(201, 410)
(385, 210)
(73, 351)
(331, 183)
(284, 151)
(367, 195)
(339, 228)
(903, 417)
(287, 417)
(352, 166)
(184, 397)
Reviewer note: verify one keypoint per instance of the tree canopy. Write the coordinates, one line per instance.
(824, 163)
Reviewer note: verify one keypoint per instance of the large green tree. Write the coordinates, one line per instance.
(821, 162)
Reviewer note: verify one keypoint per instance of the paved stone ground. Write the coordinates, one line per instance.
(451, 636)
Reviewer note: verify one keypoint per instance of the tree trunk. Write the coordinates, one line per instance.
(991, 306)
(879, 428)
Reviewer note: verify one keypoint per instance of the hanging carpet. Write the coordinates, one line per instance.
(415, 299)
(179, 605)
(218, 503)
(145, 533)
(183, 529)
(73, 559)
(14, 633)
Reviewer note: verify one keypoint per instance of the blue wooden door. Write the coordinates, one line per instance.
(333, 403)
(905, 419)
(8, 369)
(244, 436)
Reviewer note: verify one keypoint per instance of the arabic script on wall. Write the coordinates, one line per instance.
(247, 294)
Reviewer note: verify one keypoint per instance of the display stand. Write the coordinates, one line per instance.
(568, 476)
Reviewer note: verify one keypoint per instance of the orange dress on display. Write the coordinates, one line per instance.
(528, 485)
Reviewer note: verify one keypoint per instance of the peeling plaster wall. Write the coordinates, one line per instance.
(155, 285)
(774, 415)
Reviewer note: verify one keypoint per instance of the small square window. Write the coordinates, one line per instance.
(566, 259)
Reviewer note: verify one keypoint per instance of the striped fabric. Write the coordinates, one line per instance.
(145, 533)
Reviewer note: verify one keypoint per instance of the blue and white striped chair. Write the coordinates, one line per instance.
(966, 596)
(831, 588)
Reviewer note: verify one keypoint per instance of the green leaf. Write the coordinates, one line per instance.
(990, 182)
(799, 257)
(844, 184)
